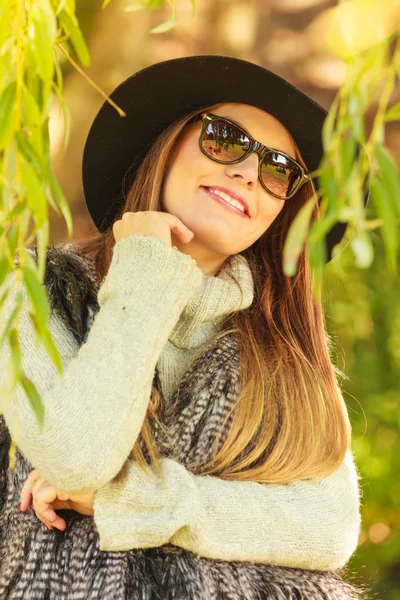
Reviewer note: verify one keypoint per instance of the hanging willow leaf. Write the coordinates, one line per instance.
(296, 237)
(391, 177)
(362, 248)
(7, 112)
(385, 210)
(12, 239)
(62, 202)
(42, 234)
(17, 304)
(17, 210)
(393, 114)
(32, 119)
(154, 4)
(15, 354)
(166, 26)
(347, 153)
(37, 296)
(70, 25)
(29, 152)
(43, 36)
(4, 269)
(329, 124)
(34, 192)
(47, 341)
(134, 7)
(6, 6)
(34, 399)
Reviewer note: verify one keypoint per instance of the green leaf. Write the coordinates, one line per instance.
(38, 297)
(4, 269)
(328, 182)
(32, 120)
(154, 4)
(28, 258)
(71, 7)
(59, 196)
(193, 8)
(29, 152)
(15, 354)
(34, 193)
(381, 198)
(12, 239)
(362, 248)
(135, 7)
(166, 26)
(105, 3)
(347, 153)
(390, 175)
(42, 243)
(3, 296)
(47, 342)
(66, 116)
(393, 114)
(17, 210)
(296, 236)
(18, 299)
(43, 37)
(329, 124)
(34, 398)
(7, 112)
(62, 4)
(70, 25)
(6, 7)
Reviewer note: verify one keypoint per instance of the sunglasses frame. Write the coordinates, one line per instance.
(255, 146)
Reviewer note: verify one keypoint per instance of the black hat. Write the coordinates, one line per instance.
(156, 96)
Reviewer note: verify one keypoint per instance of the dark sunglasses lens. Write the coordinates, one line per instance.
(279, 174)
(224, 142)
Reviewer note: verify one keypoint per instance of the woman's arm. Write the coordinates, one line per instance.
(304, 524)
(95, 410)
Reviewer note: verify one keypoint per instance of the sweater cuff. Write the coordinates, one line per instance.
(139, 258)
(138, 511)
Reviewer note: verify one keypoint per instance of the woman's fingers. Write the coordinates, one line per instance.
(45, 494)
(26, 492)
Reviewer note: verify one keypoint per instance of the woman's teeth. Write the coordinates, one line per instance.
(228, 199)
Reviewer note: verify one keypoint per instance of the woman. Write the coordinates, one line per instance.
(198, 444)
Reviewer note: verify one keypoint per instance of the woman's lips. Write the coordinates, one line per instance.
(226, 204)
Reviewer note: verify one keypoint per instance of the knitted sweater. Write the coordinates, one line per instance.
(103, 395)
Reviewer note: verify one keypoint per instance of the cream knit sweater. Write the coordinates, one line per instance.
(157, 308)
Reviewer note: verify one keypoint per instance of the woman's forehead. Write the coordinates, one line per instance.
(260, 124)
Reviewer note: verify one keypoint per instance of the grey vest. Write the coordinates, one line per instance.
(54, 565)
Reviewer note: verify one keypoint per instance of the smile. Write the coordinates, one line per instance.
(225, 203)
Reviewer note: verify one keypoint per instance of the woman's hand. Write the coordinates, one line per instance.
(154, 223)
(46, 499)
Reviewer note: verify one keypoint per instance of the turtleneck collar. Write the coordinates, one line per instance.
(214, 299)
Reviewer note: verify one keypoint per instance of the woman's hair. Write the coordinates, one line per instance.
(290, 419)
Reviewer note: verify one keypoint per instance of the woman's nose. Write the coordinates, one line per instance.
(247, 169)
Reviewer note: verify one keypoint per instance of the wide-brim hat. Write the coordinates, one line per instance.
(158, 95)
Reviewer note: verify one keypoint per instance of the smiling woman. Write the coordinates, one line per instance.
(193, 181)
(198, 401)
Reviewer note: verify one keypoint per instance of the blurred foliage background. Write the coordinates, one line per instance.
(362, 306)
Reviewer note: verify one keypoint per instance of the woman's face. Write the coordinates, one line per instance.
(219, 231)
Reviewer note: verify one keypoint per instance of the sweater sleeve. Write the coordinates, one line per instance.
(303, 524)
(94, 411)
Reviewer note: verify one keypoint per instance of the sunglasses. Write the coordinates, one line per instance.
(226, 142)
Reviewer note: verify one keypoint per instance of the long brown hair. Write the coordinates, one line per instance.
(290, 419)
